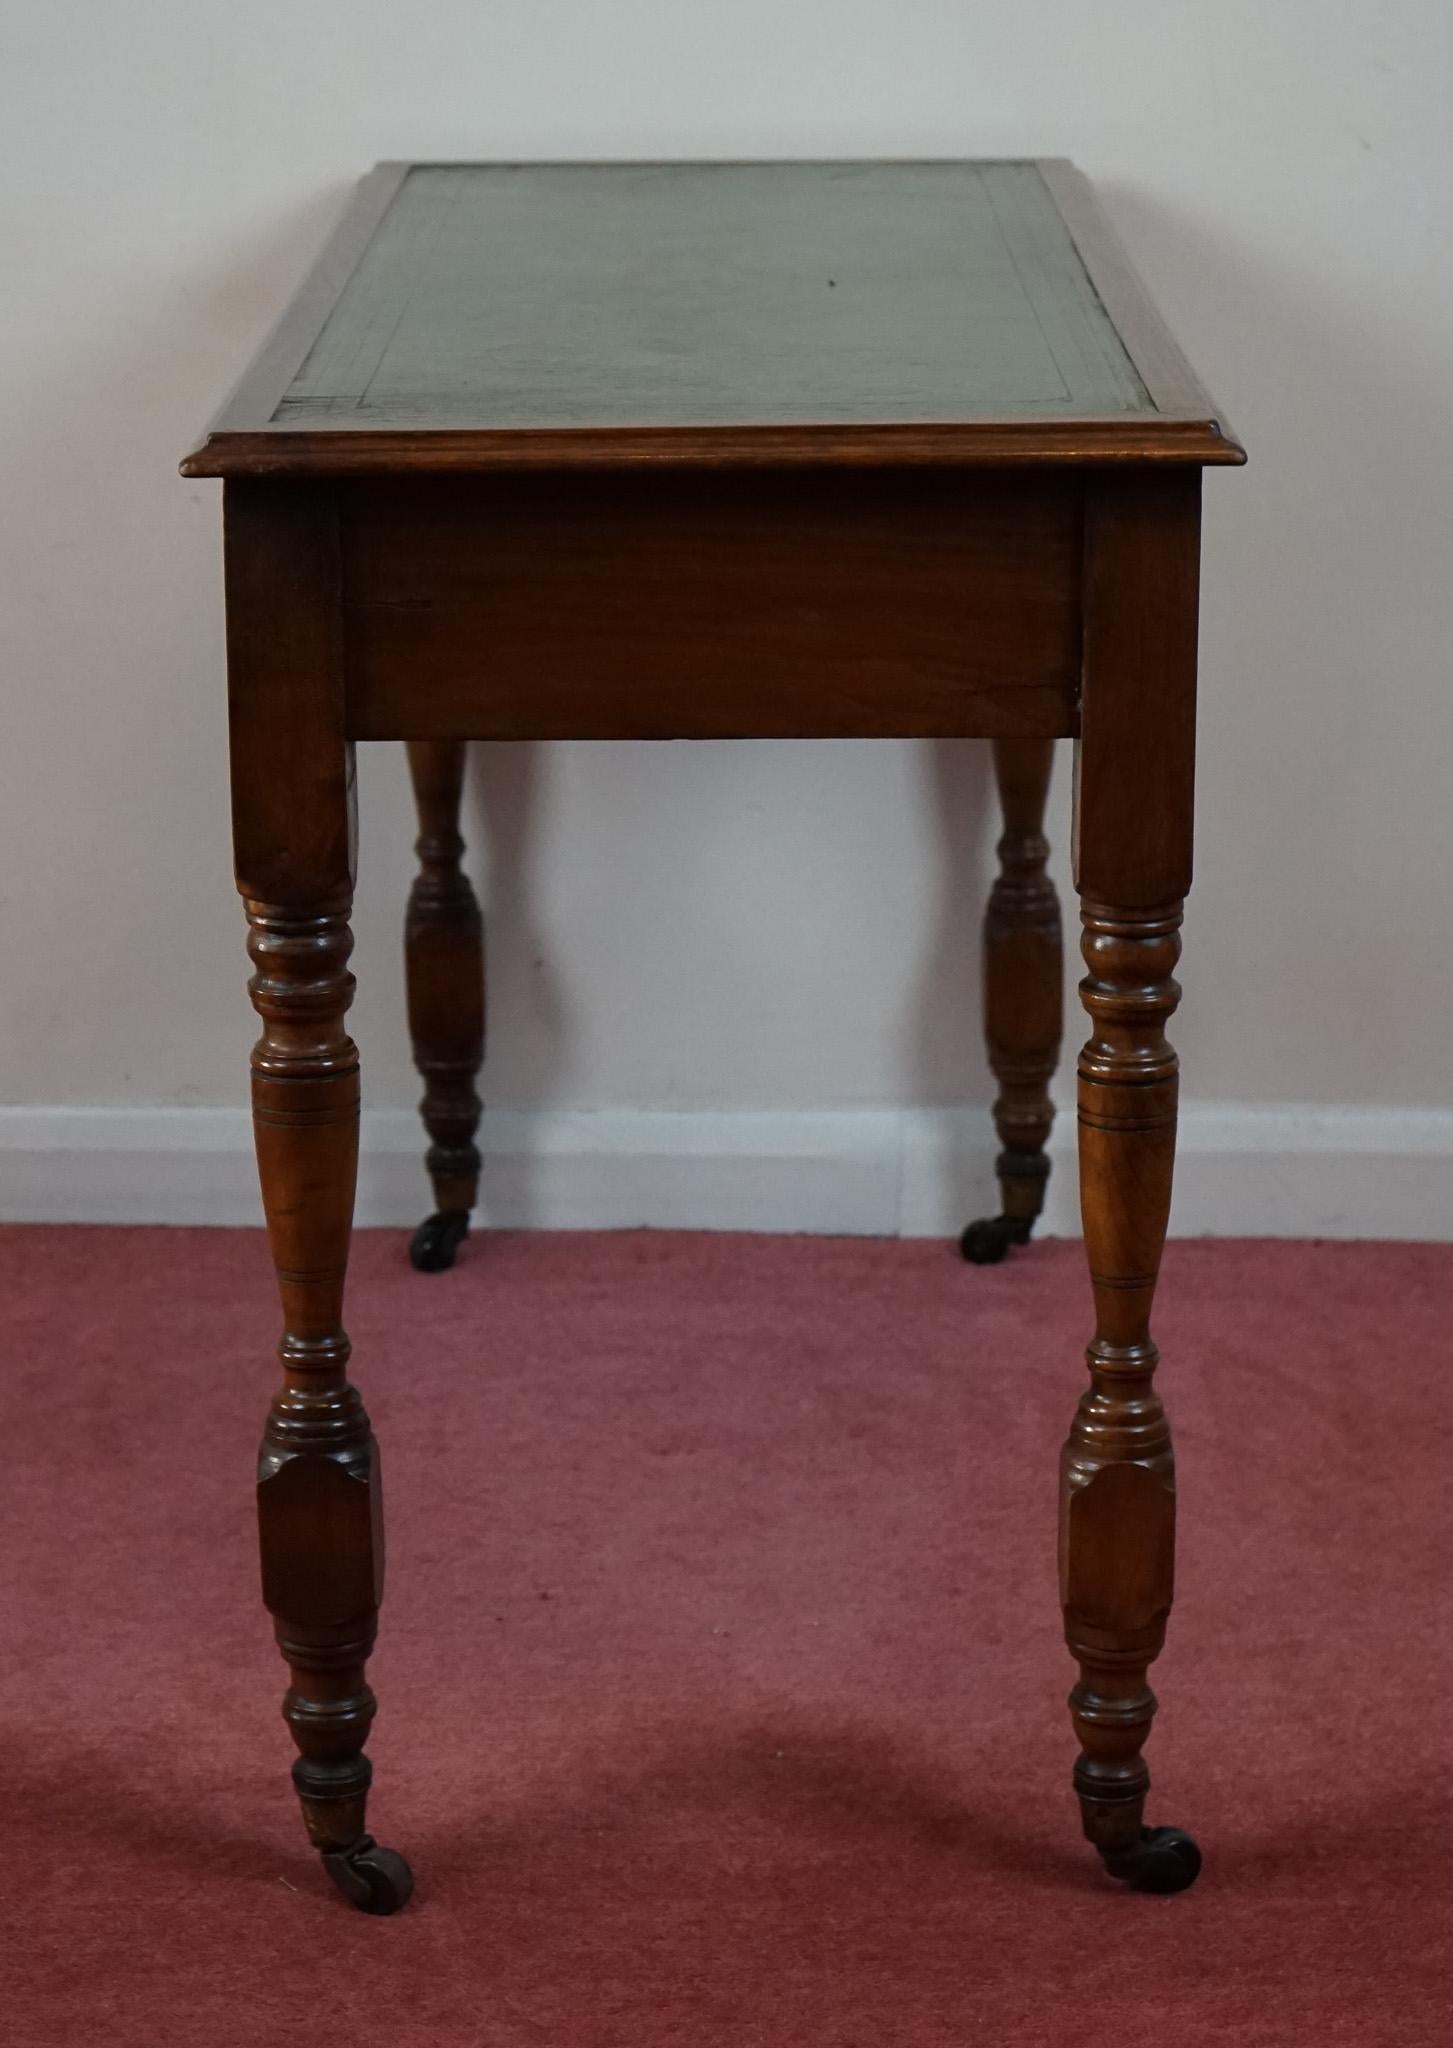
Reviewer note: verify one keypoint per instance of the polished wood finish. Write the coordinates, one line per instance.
(1118, 1536)
(1023, 968)
(319, 1503)
(318, 1474)
(597, 607)
(1020, 571)
(1132, 869)
(444, 973)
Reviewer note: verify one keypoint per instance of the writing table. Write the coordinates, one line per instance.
(697, 451)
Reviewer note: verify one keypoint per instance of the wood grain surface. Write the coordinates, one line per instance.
(710, 606)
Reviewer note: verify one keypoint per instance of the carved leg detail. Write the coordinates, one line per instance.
(1117, 1530)
(318, 1495)
(444, 959)
(1023, 999)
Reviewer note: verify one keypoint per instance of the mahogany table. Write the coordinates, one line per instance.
(704, 451)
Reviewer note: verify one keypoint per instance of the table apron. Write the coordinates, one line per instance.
(774, 605)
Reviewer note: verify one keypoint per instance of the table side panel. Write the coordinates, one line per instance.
(701, 607)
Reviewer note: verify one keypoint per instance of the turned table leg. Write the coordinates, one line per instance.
(320, 1512)
(444, 962)
(1119, 1475)
(1132, 868)
(318, 1490)
(1023, 999)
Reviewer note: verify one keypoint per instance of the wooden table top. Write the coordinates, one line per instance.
(479, 316)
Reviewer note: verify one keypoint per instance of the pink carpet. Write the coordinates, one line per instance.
(722, 1695)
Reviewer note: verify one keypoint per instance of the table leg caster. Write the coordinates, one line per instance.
(437, 1239)
(1163, 1860)
(985, 1242)
(373, 1879)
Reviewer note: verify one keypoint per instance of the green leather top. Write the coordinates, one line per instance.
(669, 295)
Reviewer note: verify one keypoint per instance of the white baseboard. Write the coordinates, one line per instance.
(1245, 1171)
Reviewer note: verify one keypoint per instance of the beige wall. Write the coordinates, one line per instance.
(742, 926)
